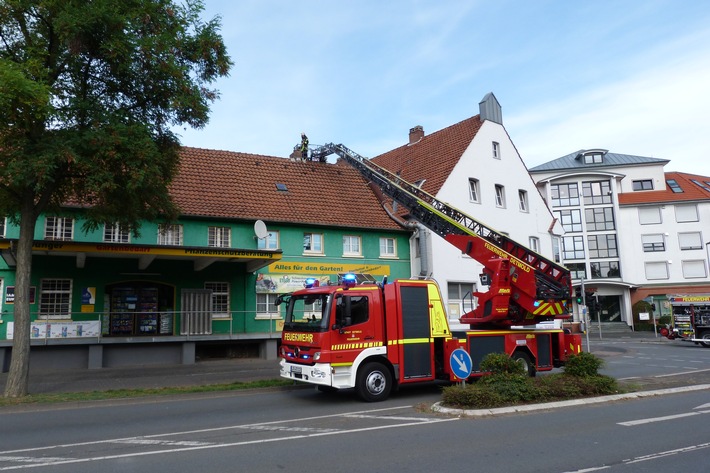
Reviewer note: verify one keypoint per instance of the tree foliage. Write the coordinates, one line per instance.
(89, 92)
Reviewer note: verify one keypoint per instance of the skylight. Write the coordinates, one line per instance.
(701, 185)
(675, 187)
(281, 187)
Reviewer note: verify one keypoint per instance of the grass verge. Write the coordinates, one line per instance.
(134, 393)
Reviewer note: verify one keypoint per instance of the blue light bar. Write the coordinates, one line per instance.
(349, 280)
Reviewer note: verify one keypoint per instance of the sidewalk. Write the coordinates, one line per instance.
(222, 371)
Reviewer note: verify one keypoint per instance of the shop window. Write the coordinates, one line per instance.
(219, 237)
(170, 234)
(313, 243)
(351, 246)
(59, 228)
(115, 234)
(141, 308)
(271, 242)
(388, 247)
(55, 298)
(220, 299)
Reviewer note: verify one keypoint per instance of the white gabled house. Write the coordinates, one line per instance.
(474, 166)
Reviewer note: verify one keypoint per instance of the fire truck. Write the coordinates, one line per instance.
(690, 320)
(377, 337)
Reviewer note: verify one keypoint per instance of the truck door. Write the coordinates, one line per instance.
(417, 349)
(355, 327)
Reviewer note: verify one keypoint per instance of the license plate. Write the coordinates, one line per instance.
(296, 369)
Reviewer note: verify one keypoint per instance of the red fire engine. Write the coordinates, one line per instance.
(691, 319)
(376, 337)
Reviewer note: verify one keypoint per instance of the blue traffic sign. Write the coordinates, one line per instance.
(461, 363)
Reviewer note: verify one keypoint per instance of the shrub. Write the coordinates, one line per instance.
(582, 365)
(499, 363)
(472, 396)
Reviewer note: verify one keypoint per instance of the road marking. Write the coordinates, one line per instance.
(650, 420)
(187, 446)
(643, 458)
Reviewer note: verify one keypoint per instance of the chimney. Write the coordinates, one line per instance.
(416, 134)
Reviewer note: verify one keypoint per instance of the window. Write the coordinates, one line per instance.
(351, 245)
(351, 310)
(523, 200)
(654, 242)
(534, 244)
(266, 306)
(557, 254)
(220, 298)
(115, 234)
(59, 228)
(694, 269)
(593, 158)
(3, 223)
(675, 187)
(643, 185)
(219, 237)
(460, 300)
(686, 213)
(169, 234)
(564, 195)
(496, 150)
(500, 196)
(571, 220)
(705, 186)
(577, 270)
(690, 241)
(55, 298)
(605, 269)
(596, 192)
(313, 243)
(271, 242)
(649, 215)
(474, 190)
(599, 219)
(656, 270)
(602, 246)
(572, 247)
(388, 247)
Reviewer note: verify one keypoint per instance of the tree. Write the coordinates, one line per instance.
(89, 92)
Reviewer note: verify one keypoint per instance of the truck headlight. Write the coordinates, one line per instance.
(316, 356)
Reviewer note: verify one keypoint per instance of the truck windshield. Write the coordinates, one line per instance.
(308, 313)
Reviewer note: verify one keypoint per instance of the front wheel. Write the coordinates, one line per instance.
(524, 360)
(705, 336)
(374, 382)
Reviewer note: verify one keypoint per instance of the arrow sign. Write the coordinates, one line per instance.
(461, 363)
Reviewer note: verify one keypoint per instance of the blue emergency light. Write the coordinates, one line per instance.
(311, 282)
(349, 280)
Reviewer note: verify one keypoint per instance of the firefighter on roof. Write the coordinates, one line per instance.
(304, 147)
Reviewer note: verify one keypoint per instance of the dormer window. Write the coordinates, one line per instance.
(594, 158)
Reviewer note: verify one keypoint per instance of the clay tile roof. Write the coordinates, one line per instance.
(694, 188)
(232, 185)
(433, 157)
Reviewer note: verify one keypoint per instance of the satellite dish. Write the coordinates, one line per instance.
(260, 229)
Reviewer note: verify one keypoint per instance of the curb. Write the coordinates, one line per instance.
(553, 405)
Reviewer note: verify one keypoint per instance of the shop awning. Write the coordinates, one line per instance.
(201, 257)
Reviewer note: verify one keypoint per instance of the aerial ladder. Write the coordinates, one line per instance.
(525, 288)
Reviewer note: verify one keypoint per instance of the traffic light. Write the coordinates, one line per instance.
(578, 296)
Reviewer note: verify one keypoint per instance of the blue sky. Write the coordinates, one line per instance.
(629, 76)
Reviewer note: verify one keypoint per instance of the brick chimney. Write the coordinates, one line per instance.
(416, 134)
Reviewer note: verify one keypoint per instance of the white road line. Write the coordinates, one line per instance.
(214, 446)
(661, 419)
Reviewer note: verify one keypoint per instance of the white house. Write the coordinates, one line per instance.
(474, 166)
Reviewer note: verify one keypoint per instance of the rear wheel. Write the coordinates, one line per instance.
(374, 382)
(524, 360)
(705, 336)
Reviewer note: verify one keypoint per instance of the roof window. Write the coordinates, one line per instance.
(675, 187)
(281, 187)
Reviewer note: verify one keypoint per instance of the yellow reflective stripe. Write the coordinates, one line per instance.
(335, 365)
(356, 345)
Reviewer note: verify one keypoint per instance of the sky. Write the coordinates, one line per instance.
(631, 76)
